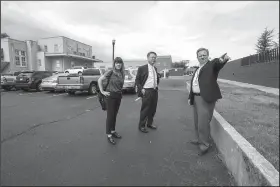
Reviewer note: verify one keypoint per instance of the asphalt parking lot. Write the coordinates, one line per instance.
(57, 139)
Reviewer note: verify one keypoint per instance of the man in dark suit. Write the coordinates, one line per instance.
(204, 92)
(147, 80)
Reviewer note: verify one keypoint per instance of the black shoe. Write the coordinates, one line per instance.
(143, 129)
(152, 126)
(111, 140)
(116, 135)
(203, 149)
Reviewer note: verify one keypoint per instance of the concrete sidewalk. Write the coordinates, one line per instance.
(270, 90)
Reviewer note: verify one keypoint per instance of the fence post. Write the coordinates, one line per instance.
(277, 53)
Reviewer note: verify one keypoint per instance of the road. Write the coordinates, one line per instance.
(55, 139)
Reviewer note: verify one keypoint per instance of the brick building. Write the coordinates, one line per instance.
(53, 54)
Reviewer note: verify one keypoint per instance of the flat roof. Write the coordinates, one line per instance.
(65, 37)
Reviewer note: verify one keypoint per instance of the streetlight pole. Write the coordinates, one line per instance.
(113, 43)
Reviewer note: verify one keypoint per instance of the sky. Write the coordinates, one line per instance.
(169, 28)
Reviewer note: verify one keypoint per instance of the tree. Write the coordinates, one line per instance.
(265, 41)
(276, 43)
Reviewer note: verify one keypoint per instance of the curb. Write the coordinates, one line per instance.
(246, 164)
(270, 90)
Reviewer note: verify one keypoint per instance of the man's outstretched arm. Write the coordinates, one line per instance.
(220, 62)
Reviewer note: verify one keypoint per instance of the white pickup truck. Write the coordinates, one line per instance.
(85, 82)
(76, 70)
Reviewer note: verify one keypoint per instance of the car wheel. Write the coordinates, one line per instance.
(39, 87)
(7, 88)
(66, 72)
(25, 89)
(92, 90)
(71, 92)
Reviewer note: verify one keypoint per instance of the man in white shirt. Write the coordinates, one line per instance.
(147, 80)
(204, 93)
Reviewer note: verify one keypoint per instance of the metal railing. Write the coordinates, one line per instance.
(265, 57)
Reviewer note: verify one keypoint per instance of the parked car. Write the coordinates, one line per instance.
(74, 82)
(50, 83)
(8, 80)
(129, 82)
(31, 79)
(76, 70)
(133, 72)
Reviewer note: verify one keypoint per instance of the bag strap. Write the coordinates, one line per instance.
(110, 75)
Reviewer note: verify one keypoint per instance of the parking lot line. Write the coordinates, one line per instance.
(91, 97)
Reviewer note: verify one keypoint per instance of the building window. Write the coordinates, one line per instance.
(39, 62)
(20, 58)
(16, 52)
(55, 48)
(23, 61)
(46, 48)
(17, 61)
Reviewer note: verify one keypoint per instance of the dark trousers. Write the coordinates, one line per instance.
(203, 113)
(149, 107)
(113, 104)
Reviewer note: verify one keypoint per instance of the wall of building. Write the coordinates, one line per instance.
(48, 64)
(50, 43)
(176, 72)
(265, 74)
(54, 63)
(6, 50)
(32, 49)
(76, 48)
(66, 63)
(17, 45)
(41, 59)
(163, 62)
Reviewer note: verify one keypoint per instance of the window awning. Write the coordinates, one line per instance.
(71, 55)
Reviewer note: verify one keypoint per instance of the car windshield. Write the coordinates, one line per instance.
(134, 72)
(126, 72)
(25, 74)
(7, 74)
(78, 67)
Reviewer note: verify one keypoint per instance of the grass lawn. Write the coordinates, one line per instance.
(255, 115)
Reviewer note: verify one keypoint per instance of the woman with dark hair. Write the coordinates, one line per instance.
(113, 93)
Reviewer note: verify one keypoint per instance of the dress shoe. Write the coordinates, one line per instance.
(195, 142)
(203, 149)
(111, 140)
(152, 126)
(116, 135)
(144, 130)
